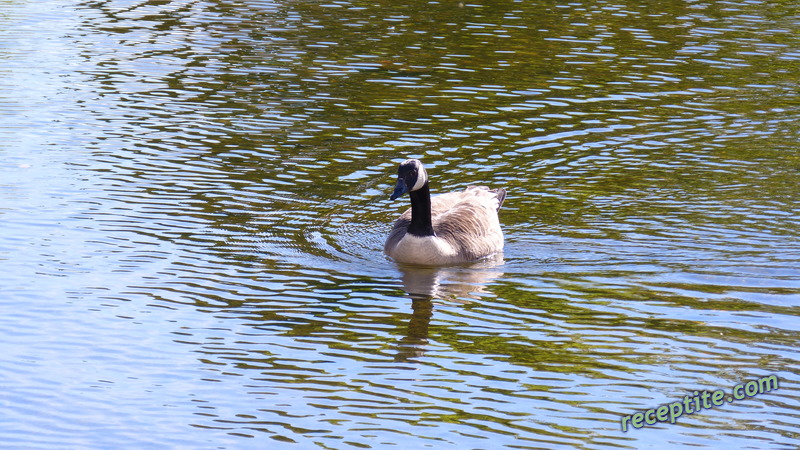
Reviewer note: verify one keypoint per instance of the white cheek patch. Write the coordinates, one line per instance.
(422, 178)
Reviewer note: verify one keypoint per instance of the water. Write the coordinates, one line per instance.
(194, 197)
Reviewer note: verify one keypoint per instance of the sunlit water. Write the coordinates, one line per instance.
(194, 197)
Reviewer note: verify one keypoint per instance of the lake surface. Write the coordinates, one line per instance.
(194, 197)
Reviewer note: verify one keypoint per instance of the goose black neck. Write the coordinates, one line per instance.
(421, 224)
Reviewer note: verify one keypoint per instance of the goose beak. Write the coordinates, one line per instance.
(400, 189)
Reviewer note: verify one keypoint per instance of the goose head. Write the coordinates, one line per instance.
(411, 176)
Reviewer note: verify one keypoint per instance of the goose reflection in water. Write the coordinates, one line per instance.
(450, 283)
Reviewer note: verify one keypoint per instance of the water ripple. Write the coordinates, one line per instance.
(194, 203)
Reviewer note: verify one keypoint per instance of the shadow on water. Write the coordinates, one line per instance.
(452, 282)
(425, 285)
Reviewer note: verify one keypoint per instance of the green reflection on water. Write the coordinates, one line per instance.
(648, 151)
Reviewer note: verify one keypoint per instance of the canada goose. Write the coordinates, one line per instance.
(450, 228)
